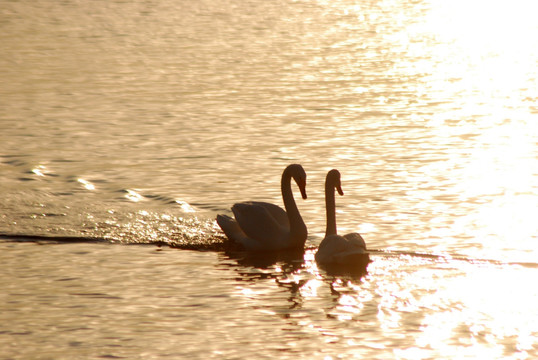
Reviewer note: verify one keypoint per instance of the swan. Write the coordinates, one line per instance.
(262, 226)
(336, 249)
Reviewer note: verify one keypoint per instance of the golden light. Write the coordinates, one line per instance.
(87, 185)
(133, 195)
(39, 170)
(475, 321)
(476, 66)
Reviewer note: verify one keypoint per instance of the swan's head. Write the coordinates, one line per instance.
(299, 175)
(333, 180)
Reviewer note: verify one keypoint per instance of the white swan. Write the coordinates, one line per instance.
(261, 226)
(336, 249)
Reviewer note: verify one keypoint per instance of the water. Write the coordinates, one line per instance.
(132, 124)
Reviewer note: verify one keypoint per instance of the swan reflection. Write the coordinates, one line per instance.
(298, 274)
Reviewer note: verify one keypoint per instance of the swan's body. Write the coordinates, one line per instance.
(336, 249)
(262, 226)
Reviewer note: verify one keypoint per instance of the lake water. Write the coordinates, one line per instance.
(126, 126)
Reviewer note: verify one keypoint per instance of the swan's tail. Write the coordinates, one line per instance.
(230, 228)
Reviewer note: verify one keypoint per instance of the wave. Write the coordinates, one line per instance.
(210, 244)
(220, 243)
(449, 258)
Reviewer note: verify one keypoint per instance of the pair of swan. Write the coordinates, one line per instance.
(261, 226)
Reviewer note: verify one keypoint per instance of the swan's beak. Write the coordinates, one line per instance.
(302, 188)
(339, 189)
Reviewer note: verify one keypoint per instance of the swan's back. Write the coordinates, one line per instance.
(258, 224)
(336, 249)
(356, 239)
(276, 212)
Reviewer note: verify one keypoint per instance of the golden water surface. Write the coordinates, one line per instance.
(139, 121)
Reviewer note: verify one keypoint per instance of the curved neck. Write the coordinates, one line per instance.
(330, 207)
(298, 231)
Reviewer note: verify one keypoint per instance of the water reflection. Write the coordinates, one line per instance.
(288, 260)
(297, 273)
(349, 300)
(491, 188)
(485, 310)
(446, 301)
(429, 106)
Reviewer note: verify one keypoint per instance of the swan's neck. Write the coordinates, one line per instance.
(298, 231)
(330, 209)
